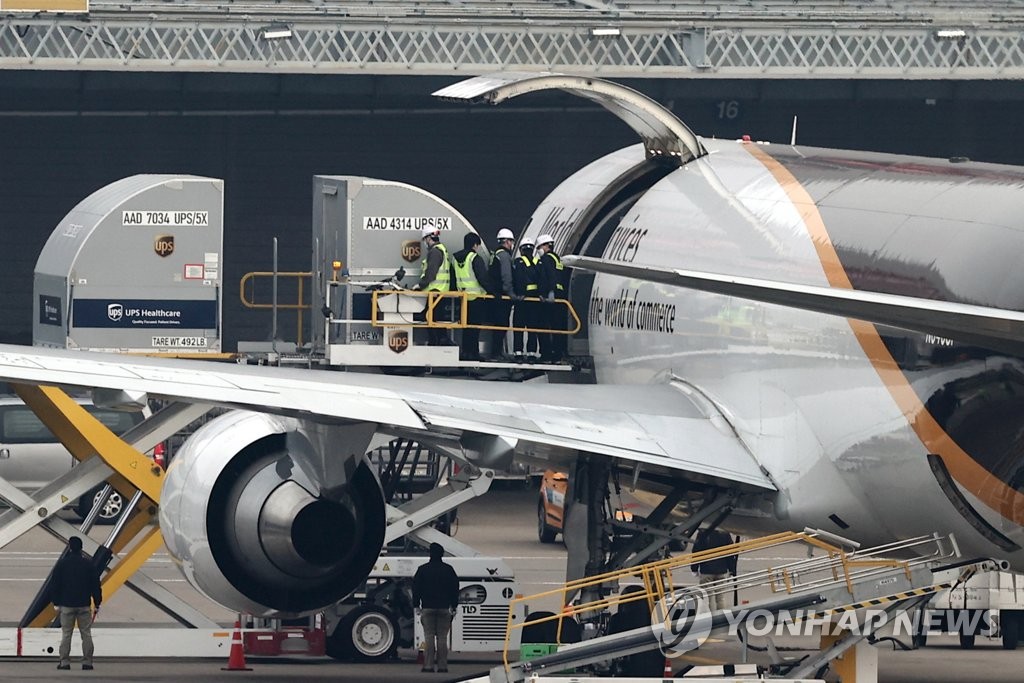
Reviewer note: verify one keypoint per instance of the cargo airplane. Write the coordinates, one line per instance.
(835, 337)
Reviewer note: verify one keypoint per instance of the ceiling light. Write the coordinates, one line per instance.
(604, 32)
(951, 33)
(276, 32)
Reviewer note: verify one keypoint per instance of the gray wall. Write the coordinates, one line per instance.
(62, 136)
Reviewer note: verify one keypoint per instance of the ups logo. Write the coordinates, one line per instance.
(398, 341)
(411, 251)
(164, 245)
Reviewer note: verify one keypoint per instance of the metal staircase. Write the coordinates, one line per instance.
(815, 591)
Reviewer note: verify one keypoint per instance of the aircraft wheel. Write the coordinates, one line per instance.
(1009, 628)
(544, 531)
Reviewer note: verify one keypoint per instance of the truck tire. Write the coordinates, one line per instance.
(109, 513)
(371, 632)
(545, 532)
(1009, 628)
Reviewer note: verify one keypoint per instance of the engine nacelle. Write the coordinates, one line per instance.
(251, 527)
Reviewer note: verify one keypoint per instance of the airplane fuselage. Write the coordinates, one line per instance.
(875, 433)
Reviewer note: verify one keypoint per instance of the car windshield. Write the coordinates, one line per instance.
(20, 425)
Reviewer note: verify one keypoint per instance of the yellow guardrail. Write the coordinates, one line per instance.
(433, 300)
(249, 281)
(659, 583)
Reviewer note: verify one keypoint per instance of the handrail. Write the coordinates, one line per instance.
(836, 567)
(299, 306)
(435, 298)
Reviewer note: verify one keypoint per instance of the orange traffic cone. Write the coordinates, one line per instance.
(236, 658)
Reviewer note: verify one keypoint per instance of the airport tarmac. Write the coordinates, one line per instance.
(501, 523)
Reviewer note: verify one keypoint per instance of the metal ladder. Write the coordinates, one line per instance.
(820, 587)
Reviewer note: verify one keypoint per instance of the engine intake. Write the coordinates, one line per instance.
(252, 527)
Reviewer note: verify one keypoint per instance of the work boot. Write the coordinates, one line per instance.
(64, 667)
(87, 667)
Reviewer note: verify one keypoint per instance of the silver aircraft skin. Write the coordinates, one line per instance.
(709, 282)
(818, 400)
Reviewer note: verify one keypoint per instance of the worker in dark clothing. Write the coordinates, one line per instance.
(524, 283)
(551, 285)
(435, 276)
(435, 591)
(717, 569)
(471, 278)
(502, 289)
(74, 582)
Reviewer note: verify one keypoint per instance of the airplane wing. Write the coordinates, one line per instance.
(993, 328)
(662, 428)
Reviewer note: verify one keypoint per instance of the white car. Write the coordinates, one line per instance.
(31, 456)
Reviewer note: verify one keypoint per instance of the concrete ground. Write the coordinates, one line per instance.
(502, 523)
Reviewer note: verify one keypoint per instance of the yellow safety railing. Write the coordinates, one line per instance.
(659, 583)
(432, 317)
(249, 280)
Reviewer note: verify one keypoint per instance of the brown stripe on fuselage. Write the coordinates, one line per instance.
(967, 472)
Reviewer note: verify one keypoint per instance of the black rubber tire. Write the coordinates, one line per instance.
(111, 511)
(1009, 628)
(547, 632)
(545, 532)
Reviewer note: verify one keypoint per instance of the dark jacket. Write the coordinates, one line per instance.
(551, 278)
(524, 275)
(707, 540)
(74, 581)
(435, 586)
(500, 273)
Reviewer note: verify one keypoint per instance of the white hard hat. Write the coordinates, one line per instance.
(428, 230)
(526, 242)
(505, 234)
(545, 239)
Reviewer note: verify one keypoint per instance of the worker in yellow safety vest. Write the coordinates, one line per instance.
(471, 278)
(524, 315)
(435, 276)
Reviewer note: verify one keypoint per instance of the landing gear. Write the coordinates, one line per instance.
(1009, 627)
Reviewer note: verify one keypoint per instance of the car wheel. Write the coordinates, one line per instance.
(369, 633)
(111, 510)
(545, 533)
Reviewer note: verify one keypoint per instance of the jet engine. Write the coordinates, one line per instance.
(249, 518)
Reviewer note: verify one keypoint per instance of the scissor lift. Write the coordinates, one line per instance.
(821, 588)
(121, 462)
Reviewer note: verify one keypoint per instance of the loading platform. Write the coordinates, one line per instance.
(828, 592)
